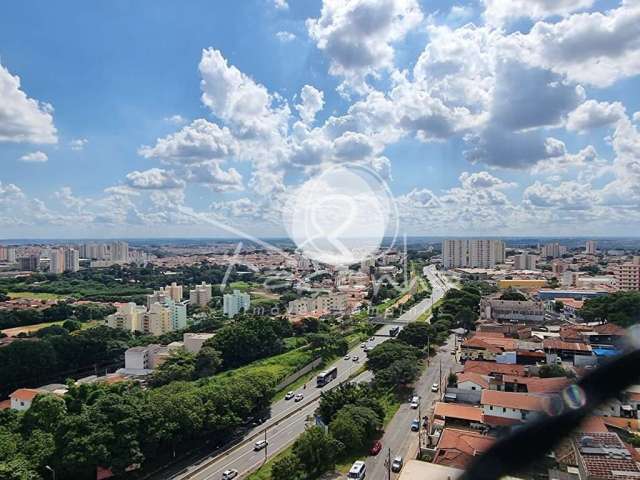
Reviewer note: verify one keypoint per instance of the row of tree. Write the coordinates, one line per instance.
(621, 308)
(54, 313)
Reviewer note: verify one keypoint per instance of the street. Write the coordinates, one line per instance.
(288, 419)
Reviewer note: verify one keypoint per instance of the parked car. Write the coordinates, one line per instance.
(347, 357)
(435, 387)
(396, 465)
(289, 395)
(260, 444)
(415, 402)
(298, 397)
(363, 345)
(415, 425)
(375, 449)
(356, 358)
(229, 474)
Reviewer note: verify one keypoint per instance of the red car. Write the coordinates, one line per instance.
(377, 446)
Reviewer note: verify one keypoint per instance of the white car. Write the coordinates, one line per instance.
(347, 357)
(435, 387)
(229, 474)
(260, 444)
(289, 395)
(298, 397)
(356, 358)
(363, 345)
(415, 402)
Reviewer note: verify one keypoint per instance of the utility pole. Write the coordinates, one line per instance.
(440, 374)
(428, 350)
(266, 446)
(389, 463)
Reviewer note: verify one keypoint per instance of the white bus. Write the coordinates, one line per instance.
(358, 471)
(326, 377)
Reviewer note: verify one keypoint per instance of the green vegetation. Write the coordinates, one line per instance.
(59, 312)
(512, 294)
(621, 308)
(35, 295)
(549, 371)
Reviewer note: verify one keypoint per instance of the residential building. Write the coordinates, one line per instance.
(336, 303)
(522, 283)
(22, 398)
(477, 253)
(566, 350)
(157, 320)
(7, 254)
(513, 311)
(553, 250)
(200, 295)
(178, 314)
(170, 292)
(94, 251)
(591, 247)
(603, 456)
(30, 263)
(56, 260)
(119, 252)
(71, 260)
(129, 316)
(525, 261)
(508, 408)
(234, 303)
(193, 342)
(456, 415)
(458, 448)
(628, 275)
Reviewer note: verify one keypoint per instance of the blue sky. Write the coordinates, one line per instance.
(173, 118)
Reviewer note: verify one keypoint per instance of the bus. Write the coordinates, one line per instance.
(326, 376)
(358, 470)
(394, 331)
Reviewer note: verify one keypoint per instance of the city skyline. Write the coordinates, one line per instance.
(170, 125)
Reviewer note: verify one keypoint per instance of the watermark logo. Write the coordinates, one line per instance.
(342, 215)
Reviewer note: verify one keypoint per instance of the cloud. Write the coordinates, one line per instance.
(78, 144)
(460, 13)
(353, 146)
(312, 101)
(285, 36)
(593, 114)
(153, 179)
(587, 162)
(569, 195)
(176, 120)
(497, 12)
(482, 180)
(34, 157)
(591, 48)
(358, 35)
(23, 119)
(281, 4)
(214, 177)
(197, 142)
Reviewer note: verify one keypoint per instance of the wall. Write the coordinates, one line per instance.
(466, 396)
(296, 375)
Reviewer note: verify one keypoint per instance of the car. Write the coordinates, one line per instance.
(453, 352)
(415, 425)
(396, 465)
(375, 449)
(415, 402)
(289, 395)
(229, 474)
(372, 339)
(435, 387)
(347, 357)
(363, 345)
(356, 358)
(368, 348)
(298, 397)
(260, 444)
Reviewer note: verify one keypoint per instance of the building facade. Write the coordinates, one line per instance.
(477, 253)
(200, 295)
(628, 275)
(234, 303)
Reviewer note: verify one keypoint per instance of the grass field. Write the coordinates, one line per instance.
(12, 332)
(35, 295)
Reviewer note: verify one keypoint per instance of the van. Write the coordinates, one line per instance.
(358, 470)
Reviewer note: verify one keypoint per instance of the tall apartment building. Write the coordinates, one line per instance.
(119, 252)
(71, 260)
(200, 295)
(334, 303)
(30, 263)
(525, 261)
(93, 251)
(128, 317)
(472, 253)
(178, 312)
(553, 250)
(628, 275)
(157, 320)
(7, 254)
(56, 260)
(234, 303)
(591, 247)
(170, 292)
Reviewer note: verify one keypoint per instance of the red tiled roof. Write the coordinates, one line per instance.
(600, 465)
(5, 404)
(539, 385)
(486, 368)
(609, 329)
(474, 377)
(481, 343)
(557, 344)
(462, 412)
(457, 448)
(520, 401)
(495, 421)
(485, 334)
(25, 394)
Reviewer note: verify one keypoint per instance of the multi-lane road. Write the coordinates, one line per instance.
(288, 418)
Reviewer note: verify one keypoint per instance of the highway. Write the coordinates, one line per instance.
(288, 419)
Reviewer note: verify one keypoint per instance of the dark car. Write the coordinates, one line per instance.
(375, 449)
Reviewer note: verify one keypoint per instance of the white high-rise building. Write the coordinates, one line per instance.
(56, 260)
(157, 320)
(128, 317)
(200, 295)
(628, 275)
(71, 260)
(7, 254)
(178, 312)
(170, 292)
(476, 253)
(591, 247)
(553, 250)
(119, 252)
(525, 261)
(233, 303)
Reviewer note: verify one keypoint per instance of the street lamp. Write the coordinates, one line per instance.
(53, 472)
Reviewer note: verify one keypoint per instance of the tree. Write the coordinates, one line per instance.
(558, 305)
(384, 354)
(416, 334)
(317, 451)
(207, 362)
(621, 308)
(287, 468)
(400, 372)
(452, 379)
(511, 294)
(71, 325)
(355, 426)
(45, 413)
(181, 365)
(52, 330)
(466, 319)
(548, 371)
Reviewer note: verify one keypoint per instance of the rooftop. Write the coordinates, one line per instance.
(25, 394)
(519, 401)
(485, 368)
(453, 410)
(457, 448)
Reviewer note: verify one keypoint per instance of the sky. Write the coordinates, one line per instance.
(180, 119)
